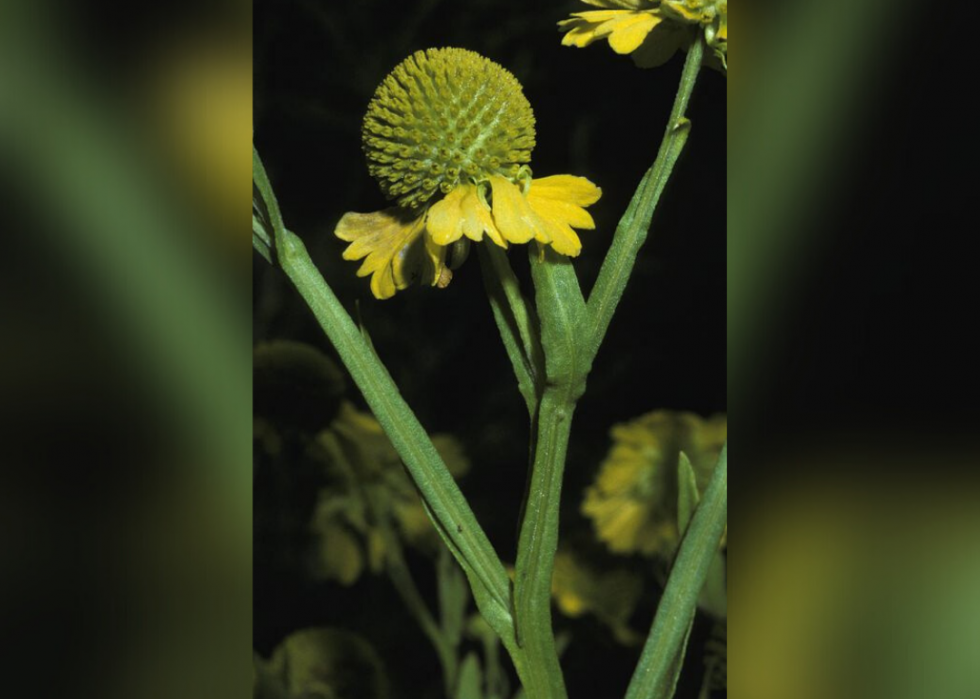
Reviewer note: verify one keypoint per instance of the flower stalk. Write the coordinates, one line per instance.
(561, 308)
(633, 227)
(517, 323)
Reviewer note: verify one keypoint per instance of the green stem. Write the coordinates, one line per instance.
(561, 309)
(656, 674)
(409, 438)
(633, 227)
(538, 544)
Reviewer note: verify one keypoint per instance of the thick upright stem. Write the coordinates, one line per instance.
(538, 544)
(560, 308)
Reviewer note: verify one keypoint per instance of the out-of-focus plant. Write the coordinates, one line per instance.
(649, 484)
(324, 663)
(610, 596)
(633, 502)
(449, 136)
(370, 503)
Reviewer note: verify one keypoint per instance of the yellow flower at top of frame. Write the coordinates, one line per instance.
(448, 135)
(652, 30)
(633, 501)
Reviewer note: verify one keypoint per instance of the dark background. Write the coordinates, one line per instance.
(316, 66)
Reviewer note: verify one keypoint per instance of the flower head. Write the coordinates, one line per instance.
(651, 30)
(448, 135)
(633, 502)
(443, 116)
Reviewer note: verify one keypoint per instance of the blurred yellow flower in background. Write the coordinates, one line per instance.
(370, 497)
(633, 502)
(651, 30)
(609, 595)
(448, 135)
(201, 103)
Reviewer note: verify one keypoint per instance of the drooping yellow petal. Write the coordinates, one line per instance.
(515, 218)
(624, 4)
(559, 201)
(478, 220)
(445, 221)
(563, 238)
(581, 33)
(561, 212)
(576, 190)
(600, 16)
(391, 243)
(435, 259)
(629, 33)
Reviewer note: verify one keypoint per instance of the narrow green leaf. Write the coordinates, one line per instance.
(470, 679)
(261, 240)
(687, 492)
(453, 597)
(495, 612)
(516, 321)
(444, 501)
(261, 180)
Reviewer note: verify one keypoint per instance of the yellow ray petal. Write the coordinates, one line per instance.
(629, 33)
(391, 243)
(597, 16)
(563, 238)
(581, 35)
(559, 201)
(478, 220)
(624, 4)
(561, 212)
(434, 259)
(576, 190)
(514, 217)
(445, 221)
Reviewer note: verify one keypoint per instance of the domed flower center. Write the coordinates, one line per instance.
(445, 116)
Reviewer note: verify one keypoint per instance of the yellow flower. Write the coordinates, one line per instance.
(633, 502)
(610, 596)
(369, 494)
(651, 30)
(448, 135)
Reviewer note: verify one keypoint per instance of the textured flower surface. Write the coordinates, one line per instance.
(633, 502)
(448, 135)
(652, 30)
(369, 493)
